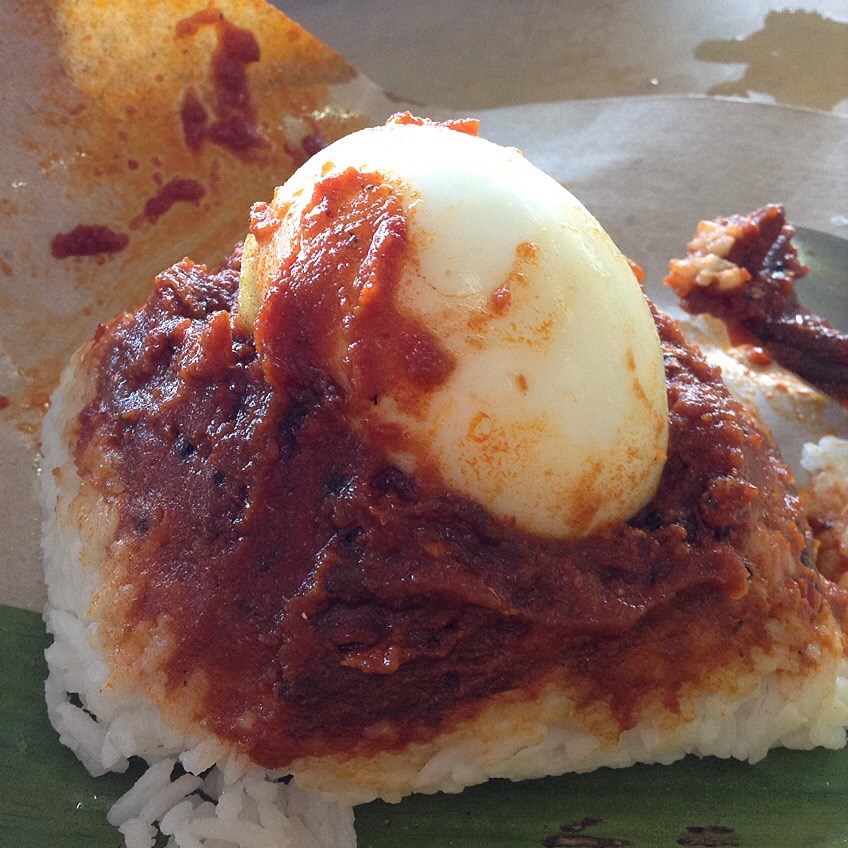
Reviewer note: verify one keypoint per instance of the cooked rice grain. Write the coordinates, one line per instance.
(199, 794)
(194, 791)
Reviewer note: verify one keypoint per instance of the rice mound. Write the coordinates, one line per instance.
(203, 794)
(518, 739)
(194, 791)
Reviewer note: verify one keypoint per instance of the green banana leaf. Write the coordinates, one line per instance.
(793, 798)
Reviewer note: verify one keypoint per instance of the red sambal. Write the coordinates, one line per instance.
(317, 589)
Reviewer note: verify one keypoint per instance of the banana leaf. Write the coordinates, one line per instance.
(797, 799)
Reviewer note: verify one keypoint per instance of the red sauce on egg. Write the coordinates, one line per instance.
(334, 303)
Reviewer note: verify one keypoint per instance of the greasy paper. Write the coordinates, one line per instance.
(81, 100)
(92, 92)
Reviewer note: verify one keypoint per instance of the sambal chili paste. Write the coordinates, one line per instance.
(310, 589)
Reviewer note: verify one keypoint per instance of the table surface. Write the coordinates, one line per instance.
(467, 54)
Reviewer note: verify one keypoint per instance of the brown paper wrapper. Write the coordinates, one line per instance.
(92, 131)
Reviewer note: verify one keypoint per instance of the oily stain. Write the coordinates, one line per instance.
(106, 139)
(716, 836)
(572, 835)
(798, 57)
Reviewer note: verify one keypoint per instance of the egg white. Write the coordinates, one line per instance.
(555, 417)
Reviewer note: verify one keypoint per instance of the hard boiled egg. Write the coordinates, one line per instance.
(554, 417)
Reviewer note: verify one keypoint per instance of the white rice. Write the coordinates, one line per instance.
(548, 736)
(194, 791)
(830, 454)
(220, 801)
